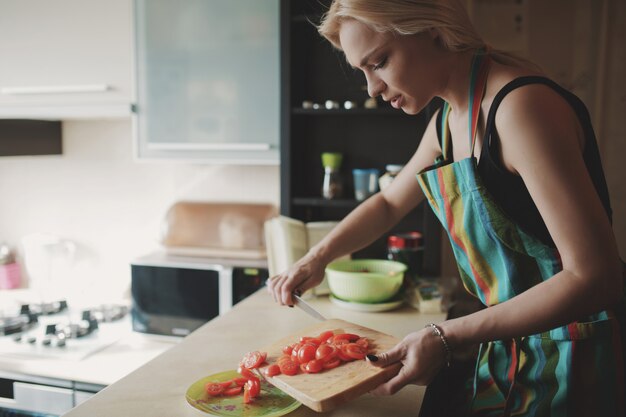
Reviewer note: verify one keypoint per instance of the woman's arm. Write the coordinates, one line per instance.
(362, 226)
(542, 141)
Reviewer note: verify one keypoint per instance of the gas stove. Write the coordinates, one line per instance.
(56, 330)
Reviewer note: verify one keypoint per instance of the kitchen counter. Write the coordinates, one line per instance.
(158, 388)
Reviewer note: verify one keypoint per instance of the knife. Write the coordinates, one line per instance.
(306, 307)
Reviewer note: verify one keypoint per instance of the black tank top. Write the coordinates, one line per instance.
(508, 189)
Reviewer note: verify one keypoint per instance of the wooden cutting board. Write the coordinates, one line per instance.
(325, 390)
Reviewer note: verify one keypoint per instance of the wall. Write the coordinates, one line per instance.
(112, 206)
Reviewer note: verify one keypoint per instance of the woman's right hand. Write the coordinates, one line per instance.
(307, 273)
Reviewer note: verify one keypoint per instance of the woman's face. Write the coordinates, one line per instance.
(401, 69)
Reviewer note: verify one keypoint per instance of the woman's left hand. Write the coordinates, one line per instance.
(422, 356)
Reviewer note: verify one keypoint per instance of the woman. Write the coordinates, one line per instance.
(510, 166)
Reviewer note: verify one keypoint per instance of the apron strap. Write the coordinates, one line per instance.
(445, 130)
(478, 83)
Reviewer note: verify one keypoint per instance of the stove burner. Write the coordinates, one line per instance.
(57, 333)
(11, 325)
(44, 308)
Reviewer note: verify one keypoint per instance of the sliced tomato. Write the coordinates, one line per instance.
(363, 342)
(332, 363)
(324, 336)
(233, 391)
(214, 389)
(314, 366)
(341, 354)
(354, 351)
(313, 340)
(247, 399)
(350, 337)
(254, 387)
(295, 350)
(240, 381)
(283, 358)
(306, 353)
(246, 373)
(253, 360)
(326, 352)
(288, 367)
(272, 370)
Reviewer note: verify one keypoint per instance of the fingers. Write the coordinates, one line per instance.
(394, 385)
(396, 354)
(282, 286)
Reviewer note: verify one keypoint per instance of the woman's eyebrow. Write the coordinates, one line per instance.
(366, 57)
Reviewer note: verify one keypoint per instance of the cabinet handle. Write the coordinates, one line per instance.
(210, 146)
(55, 89)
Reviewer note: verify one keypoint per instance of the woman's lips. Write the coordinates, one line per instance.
(396, 102)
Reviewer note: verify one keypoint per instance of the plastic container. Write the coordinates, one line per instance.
(365, 183)
(365, 280)
(10, 271)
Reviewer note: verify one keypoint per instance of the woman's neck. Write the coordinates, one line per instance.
(457, 82)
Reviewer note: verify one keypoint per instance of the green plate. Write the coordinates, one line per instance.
(272, 402)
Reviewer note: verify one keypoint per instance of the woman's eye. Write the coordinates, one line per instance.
(380, 64)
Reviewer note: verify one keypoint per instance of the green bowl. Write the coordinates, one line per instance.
(365, 280)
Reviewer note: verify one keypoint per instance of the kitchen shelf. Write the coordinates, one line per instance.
(322, 202)
(350, 112)
(312, 70)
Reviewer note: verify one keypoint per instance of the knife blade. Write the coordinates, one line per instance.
(306, 307)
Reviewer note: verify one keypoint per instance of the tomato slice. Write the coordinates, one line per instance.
(233, 391)
(253, 360)
(363, 342)
(314, 366)
(246, 373)
(354, 351)
(214, 389)
(313, 340)
(326, 353)
(324, 336)
(289, 367)
(341, 354)
(332, 363)
(272, 370)
(247, 399)
(350, 337)
(240, 381)
(306, 353)
(254, 387)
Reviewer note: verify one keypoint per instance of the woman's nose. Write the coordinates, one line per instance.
(375, 86)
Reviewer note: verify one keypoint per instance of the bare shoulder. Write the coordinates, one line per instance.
(535, 117)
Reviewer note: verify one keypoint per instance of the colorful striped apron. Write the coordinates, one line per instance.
(573, 370)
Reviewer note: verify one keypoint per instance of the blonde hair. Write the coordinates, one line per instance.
(409, 17)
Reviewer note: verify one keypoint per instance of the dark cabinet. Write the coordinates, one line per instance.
(313, 71)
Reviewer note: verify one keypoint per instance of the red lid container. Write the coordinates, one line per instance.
(408, 240)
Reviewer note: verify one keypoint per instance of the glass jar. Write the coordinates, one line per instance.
(407, 248)
(332, 186)
(387, 177)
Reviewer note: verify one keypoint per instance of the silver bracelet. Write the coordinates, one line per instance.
(446, 346)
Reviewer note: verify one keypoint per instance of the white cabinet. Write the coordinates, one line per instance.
(208, 77)
(66, 59)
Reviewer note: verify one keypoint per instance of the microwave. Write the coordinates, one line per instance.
(174, 295)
